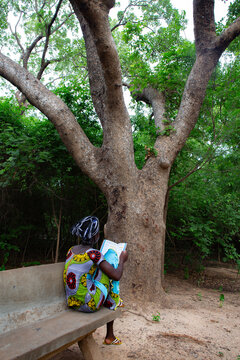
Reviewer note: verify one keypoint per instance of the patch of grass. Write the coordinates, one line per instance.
(156, 317)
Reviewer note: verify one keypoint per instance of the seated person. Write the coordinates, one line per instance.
(91, 279)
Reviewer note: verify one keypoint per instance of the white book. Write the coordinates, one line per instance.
(118, 247)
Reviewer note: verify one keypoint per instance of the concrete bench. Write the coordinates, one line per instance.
(35, 322)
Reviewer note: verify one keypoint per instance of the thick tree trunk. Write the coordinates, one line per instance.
(137, 216)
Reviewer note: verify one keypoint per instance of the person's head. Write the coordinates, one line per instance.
(88, 229)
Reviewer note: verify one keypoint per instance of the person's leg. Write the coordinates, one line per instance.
(110, 338)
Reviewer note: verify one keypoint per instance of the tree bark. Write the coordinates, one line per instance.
(136, 215)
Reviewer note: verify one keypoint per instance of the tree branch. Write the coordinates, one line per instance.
(50, 105)
(204, 24)
(120, 21)
(96, 78)
(228, 35)
(62, 23)
(14, 33)
(117, 131)
(29, 50)
(48, 33)
(156, 99)
(96, 16)
(43, 4)
(196, 168)
(205, 31)
(47, 63)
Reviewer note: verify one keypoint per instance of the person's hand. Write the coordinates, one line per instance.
(123, 256)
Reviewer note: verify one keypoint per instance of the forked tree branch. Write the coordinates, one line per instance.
(209, 48)
(96, 16)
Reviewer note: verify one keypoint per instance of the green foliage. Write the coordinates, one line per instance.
(6, 244)
(233, 10)
(208, 215)
(58, 37)
(36, 169)
(207, 202)
(150, 45)
(6, 248)
(144, 135)
(3, 15)
(77, 96)
(221, 297)
(221, 300)
(232, 15)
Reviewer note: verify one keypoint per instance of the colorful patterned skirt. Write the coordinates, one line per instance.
(87, 287)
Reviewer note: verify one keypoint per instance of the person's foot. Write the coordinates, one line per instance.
(121, 303)
(112, 341)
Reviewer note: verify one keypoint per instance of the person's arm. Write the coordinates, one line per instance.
(109, 270)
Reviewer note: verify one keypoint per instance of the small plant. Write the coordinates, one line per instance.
(199, 295)
(156, 317)
(221, 299)
(220, 288)
(220, 354)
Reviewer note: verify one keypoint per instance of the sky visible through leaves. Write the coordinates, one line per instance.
(221, 8)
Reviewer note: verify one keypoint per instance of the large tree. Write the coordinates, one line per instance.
(137, 199)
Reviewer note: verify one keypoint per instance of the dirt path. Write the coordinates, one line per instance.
(197, 326)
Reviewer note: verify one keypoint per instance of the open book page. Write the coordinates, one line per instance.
(107, 244)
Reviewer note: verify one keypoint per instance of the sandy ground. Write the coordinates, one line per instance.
(197, 326)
